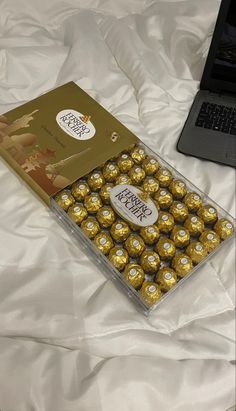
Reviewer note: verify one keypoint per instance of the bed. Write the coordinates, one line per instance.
(69, 340)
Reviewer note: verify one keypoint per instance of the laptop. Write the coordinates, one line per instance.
(210, 129)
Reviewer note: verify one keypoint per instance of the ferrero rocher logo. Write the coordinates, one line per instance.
(77, 125)
(133, 205)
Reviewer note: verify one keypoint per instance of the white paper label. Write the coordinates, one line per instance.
(168, 276)
(75, 124)
(129, 203)
(133, 272)
(119, 253)
(152, 288)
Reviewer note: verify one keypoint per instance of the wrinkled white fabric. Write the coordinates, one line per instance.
(69, 340)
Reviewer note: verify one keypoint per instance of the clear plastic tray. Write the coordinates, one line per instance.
(108, 269)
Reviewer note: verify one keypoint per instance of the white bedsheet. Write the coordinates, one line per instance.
(69, 340)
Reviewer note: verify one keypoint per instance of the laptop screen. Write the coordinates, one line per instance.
(224, 67)
(220, 69)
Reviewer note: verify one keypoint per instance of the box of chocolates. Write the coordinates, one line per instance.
(147, 226)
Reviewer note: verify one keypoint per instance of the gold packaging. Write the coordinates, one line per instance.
(77, 213)
(119, 257)
(180, 236)
(125, 163)
(150, 234)
(182, 264)
(134, 245)
(150, 292)
(178, 189)
(193, 201)
(150, 185)
(165, 222)
(103, 242)
(210, 239)
(137, 175)
(150, 261)
(179, 211)
(224, 228)
(96, 180)
(105, 192)
(79, 190)
(194, 225)
(164, 176)
(64, 199)
(166, 278)
(138, 154)
(105, 216)
(110, 172)
(134, 275)
(150, 166)
(120, 231)
(208, 214)
(93, 202)
(90, 227)
(164, 198)
(196, 251)
(165, 248)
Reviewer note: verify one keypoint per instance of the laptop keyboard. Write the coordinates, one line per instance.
(217, 117)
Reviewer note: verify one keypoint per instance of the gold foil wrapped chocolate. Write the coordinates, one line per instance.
(105, 192)
(90, 227)
(180, 236)
(64, 199)
(164, 198)
(179, 211)
(165, 222)
(178, 188)
(96, 180)
(137, 174)
(208, 214)
(193, 201)
(164, 176)
(134, 275)
(150, 185)
(150, 234)
(111, 171)
(210, 239)
(150, 292)
(120, 231)
(150, 166)
(103, 242)
(79, 190)
(125, 163)
(119, 257)
(105, 216)
(138, 154)
(182, 264)
(194, 225)
(224, 228)
(196, 251)
(93, 202)
(165, 248)
(166, 278)
(150, 261)
(134, 245)
(123, 179)
(77, 213)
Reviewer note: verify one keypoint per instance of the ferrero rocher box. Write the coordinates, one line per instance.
(147, 224)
